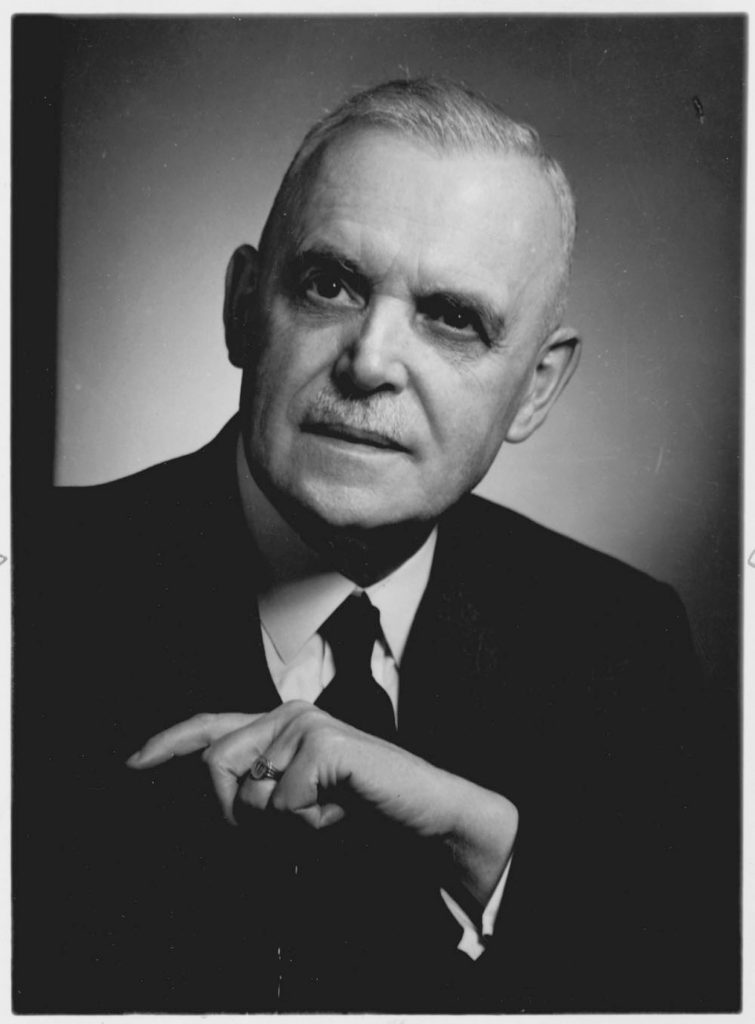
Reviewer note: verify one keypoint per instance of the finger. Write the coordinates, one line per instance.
(276, 732)
(276, 735)
(204, 729)
(256, 793)
(295, 730)
(231, 757)
(322, 815)
(305, 782)
(187, 737)
(228, 761)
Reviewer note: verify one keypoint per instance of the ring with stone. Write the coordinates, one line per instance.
(264, 769)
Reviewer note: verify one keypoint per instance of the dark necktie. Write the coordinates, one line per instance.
(353, 696)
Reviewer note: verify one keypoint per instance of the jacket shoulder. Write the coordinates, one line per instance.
(514, 569)
(497, 539)
(173, 494)
(147, 488)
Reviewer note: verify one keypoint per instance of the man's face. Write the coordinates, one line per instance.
(398, 329)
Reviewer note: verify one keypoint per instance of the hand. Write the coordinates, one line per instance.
(326, 764)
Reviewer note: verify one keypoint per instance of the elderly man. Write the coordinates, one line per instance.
(463, 754)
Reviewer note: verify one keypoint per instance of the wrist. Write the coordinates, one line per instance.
(480, 840)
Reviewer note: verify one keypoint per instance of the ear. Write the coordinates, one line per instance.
(557, 360)
(241, 282)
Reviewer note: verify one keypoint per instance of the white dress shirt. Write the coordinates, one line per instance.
(300, 595)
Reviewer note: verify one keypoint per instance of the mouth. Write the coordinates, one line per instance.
(354, 435)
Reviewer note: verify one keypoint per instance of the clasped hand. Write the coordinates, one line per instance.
(326, 764)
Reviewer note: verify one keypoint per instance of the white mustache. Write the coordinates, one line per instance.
(374, 415)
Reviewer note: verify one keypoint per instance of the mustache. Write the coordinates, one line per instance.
(373, 414)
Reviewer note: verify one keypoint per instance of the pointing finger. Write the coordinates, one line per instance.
(187, 737)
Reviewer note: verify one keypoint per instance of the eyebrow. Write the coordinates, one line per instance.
(325, 255)
(492, 320)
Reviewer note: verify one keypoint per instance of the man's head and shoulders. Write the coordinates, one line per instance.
(400, 322)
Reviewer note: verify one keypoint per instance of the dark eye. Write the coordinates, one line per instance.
(459, 319)
(452, 316)
(328, 289)
(325, 285)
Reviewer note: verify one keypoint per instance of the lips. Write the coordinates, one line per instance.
(354, 435)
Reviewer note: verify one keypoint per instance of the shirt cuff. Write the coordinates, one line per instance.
(472, 941)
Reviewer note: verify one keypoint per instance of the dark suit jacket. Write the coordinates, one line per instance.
(536, 667)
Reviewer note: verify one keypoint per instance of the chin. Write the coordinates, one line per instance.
(346, 509)
(353, 508)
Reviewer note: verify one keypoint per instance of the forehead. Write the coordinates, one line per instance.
(411, 211)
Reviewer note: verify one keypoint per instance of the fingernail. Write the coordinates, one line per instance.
(134, 759)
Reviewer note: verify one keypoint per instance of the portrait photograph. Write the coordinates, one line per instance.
(377, 466)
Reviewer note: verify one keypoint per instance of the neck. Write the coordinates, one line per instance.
(364, 556)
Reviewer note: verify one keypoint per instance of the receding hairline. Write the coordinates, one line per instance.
(448, 119)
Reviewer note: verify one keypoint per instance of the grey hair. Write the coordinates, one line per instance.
(441, 113)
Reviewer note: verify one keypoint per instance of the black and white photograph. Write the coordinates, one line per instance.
(377, 462)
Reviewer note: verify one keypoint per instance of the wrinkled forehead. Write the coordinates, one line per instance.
(477, 213)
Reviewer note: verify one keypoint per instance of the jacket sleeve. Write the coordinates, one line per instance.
(623, 892)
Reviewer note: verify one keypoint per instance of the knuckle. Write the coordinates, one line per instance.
(252, 795)
(253, 798)
(312, 717)
(204, 718)
(322, 738)
(210, 755)
(278, 800)
(245, 794)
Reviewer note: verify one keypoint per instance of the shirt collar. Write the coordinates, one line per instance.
(301, 592)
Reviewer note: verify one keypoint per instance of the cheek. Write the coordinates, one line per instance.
(474, 447)
(475, 431)
(286, 366)
(470, 417)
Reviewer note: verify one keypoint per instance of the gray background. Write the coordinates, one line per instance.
(175, 134)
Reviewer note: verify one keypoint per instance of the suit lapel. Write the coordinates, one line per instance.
(449, 660)
(207, 575)
(469, 699)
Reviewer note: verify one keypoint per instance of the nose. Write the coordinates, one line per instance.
(374, 355)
